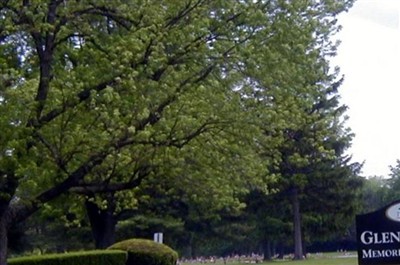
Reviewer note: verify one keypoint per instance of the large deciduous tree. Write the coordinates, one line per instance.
(90, 88)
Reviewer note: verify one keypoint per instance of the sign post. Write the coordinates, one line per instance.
(378, 236)
(158, 238)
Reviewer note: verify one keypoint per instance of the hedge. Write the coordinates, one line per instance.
(95, 257)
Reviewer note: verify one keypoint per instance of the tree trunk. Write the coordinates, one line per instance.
(8, 185)
(267, 250)
(3, 241)
(191, 245)
(298, 245)
(281, 252)
(103, 224)
(4, 223)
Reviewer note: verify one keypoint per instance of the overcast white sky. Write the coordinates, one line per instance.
(369, 57)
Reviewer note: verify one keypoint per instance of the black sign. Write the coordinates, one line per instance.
(378, 236)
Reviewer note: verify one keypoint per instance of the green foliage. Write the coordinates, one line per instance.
(103, 257)
(143, 251)
(375, 193)
(127, 89)
(119, 102)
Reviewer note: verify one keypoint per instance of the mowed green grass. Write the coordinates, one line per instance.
(322, 259)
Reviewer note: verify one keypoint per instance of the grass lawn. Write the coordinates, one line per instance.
(322, 259)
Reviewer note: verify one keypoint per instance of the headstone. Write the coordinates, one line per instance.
(378, 236)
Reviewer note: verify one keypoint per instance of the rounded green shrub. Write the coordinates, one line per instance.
(146, 252)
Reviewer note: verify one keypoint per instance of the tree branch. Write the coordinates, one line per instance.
(22, 211)
(105, 187)
(82, 96)
(183, 13)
